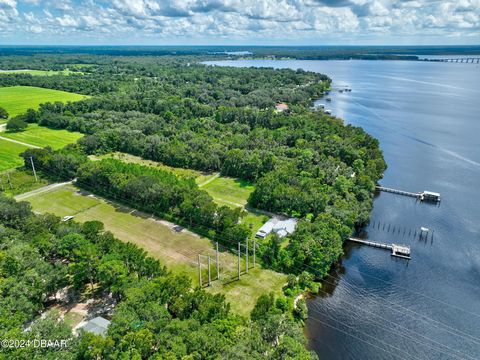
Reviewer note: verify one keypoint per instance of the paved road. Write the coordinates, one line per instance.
(20, 142)
(41, 190)
(209, 180)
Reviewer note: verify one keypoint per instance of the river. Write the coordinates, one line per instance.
(374, 306)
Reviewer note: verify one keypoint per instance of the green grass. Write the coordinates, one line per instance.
(9, 154)
(254, 220)
(229, 191)
(21, 180)
(178, 251)
(39, 72)
(18, 99)
(205, 178)
(43, 136)
(72, 319)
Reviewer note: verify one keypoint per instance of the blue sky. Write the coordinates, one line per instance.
(231, 22)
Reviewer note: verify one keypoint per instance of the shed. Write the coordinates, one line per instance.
(97, 326)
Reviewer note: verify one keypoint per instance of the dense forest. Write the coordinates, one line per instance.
(157, 315)
(326, 52)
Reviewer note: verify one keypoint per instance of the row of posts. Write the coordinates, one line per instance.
(217, 262)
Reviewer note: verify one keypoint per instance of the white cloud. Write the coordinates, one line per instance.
(250, 20)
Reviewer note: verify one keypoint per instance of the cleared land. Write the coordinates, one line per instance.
(21, 181)
(43, 136)
(9, 152)
(18, 99)
(39, 72)
(177, 250)
(229, 191)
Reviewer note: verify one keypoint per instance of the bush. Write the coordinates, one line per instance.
(3, 113)
(16, 124)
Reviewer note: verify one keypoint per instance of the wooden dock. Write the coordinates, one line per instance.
(402, 251)
(399, 192)
(422, 196)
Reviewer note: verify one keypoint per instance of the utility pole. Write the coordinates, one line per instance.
(246, 255)
(239, 252)
(199, 272)
(33, 168)
(209, 275)
(254, 246)
(218, 264)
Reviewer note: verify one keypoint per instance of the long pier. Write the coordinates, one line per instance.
(399, 192)
(425, 195)
(402, 251)
(466, 60)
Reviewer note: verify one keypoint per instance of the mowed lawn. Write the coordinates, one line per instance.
(178, 251)
(18, 99)
(9, 154)
(43, 136)
(38, 72)
(229, 191)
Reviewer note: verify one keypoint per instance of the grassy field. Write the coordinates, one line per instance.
(9, 152)
(21, 182)
(178, 251)
(229, 191)
(18, 99)
(43, 136)
(39, 72)
(234, 193)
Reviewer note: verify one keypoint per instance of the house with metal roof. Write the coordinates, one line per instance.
(97, 326)
(279, 226)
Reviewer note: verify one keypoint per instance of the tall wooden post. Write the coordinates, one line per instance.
(239, 254)
(246, 256)
(218, 263)
(33, 168)
(254, 246)
(199, 272)
(209, 275)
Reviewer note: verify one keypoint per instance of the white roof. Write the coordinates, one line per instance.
(98, 325)
(277, 225)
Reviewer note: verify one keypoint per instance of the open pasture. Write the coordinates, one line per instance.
(9, 154)
(43, 136)
(38, 72)
(18, 99)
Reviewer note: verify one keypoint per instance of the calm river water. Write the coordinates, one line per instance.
(427, 118)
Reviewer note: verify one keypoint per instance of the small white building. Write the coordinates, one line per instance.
(281, 227)
(97, 326)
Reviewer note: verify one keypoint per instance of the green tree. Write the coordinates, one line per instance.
(16, 124)
(3, 113)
